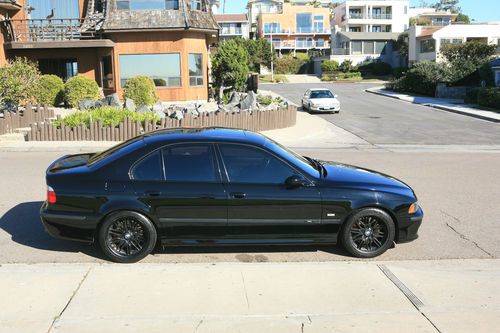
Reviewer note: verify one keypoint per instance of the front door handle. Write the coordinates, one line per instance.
(238, 195)
(153, 193)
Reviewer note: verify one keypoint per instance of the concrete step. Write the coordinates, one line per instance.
(12, 137)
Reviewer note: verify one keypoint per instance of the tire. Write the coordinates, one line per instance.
(127, 237)
(368, 233)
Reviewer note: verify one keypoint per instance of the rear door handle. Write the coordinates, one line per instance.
(238, 195)
(153, 193)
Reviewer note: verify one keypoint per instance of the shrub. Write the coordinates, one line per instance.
(230, 66)
(141, 89)
(381, 68)
(107, 115)
(329, 66)
(489, 97)
(268, 99)
(471, 96)
(80, 87)
(346, 66)
(51, 90)
(353, 76)
(398, 72)
(19, 81)
(421, 78)
(292, 65)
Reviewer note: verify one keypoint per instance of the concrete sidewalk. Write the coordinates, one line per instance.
(445, 104)
(403, 296)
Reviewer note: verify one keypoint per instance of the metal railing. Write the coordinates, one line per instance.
(36, 30)
(367, 16)
(292, 44)
(310, 31)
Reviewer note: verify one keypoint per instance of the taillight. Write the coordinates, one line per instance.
(51, 195)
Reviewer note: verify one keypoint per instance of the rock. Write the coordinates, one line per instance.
(129, 104)
(177, 115)
(113, 100)
(250, 101)
(143, 108)
(7, 107)
(158, 107)
(235, 98)
(209, 107)
(87, 104)
(161, 114)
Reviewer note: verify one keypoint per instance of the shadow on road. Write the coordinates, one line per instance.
(23, 223)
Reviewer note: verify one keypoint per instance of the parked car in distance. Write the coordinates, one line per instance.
(320, 100)
(217, 186)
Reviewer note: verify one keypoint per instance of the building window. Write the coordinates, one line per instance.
(320, 42)
(164, 69)
(272, 28)
(406, 10)
(276, 42)
(356, 47)
(380, 47)
(107, 72)
(355, 14)
(445, 41)
(148, 4)
(196, 5)
(64, 68)
(376, 28)
(368, 47)
(303, 22)
(318, 23)
(195, 69)
(427, 45)
(304, 42)
(354, 29)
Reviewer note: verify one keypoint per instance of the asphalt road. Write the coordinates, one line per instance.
(382, 120)
(459, 194)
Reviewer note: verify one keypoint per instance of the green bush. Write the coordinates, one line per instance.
(140, 89)
(107, 115)
(19, 81)
(398, 72)
(421, 78)
(80, 87)
(346, 66)
(353, 76)
(329, 66)
(230, 66)
(471, 96)
(381, 68)
(51, 90)
(292, 65)
(489, 97)
(268, 99)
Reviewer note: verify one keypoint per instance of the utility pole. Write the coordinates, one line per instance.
(272, 55)
(224, 7)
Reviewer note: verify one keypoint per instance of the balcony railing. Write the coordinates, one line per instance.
(230, 32)
(310, 31)
(340, 51)
(41, 30)
(360, 16)
(292, 44)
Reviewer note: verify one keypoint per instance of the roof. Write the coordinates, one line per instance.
(370, 35)
(427, 32)
(205, 134)
(231, 18)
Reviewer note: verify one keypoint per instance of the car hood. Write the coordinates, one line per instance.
(324, 101)
(357, 177)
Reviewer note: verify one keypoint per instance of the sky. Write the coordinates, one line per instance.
(479, 10)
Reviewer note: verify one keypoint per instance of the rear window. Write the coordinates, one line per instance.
(149, 168)
(102, 155)
(190, 163)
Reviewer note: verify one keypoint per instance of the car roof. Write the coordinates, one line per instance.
(313, 89)
(204, 134)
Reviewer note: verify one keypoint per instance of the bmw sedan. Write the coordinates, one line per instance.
(320, 100)
(217, 186)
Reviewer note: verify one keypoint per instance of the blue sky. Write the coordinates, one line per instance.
(480, 10)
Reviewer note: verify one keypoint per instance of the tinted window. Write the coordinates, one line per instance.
(246, 164)
(190, 163)
(149, 168)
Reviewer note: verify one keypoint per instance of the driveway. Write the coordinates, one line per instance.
(383, 120)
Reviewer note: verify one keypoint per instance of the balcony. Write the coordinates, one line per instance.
(361, 16)
(300, 45)
(231, 32)
(289, 32)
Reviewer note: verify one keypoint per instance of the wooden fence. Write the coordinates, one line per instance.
(254, 121)
(19, 119)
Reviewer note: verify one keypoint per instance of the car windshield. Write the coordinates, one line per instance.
(321, 94)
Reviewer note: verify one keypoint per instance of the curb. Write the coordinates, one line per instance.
(439, 107)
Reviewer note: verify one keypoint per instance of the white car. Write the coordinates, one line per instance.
(320, 100)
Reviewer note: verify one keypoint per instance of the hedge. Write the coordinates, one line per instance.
(80, 87)
(489, 97)
(51, 90)
(141, 89)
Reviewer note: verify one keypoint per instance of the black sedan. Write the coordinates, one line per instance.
(217, 186)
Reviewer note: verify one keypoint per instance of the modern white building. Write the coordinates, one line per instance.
(366, 30)
(256, 7)
(425, 42)
(434, 17)
(233, 25)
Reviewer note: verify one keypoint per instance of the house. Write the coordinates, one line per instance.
(111, 41)
(233, 25)
(366, 30)
(257, 7)
(296, 28)
(432, 16)
(425, 42)
(495, 67)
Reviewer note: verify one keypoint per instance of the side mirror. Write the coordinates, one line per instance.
(294, 182)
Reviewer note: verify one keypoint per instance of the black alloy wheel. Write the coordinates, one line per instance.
(127, 237)
(368, 233)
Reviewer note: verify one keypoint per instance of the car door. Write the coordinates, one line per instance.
(190, 201)
(260, 205)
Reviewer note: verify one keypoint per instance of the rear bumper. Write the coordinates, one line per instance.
(408, 226)
(68, 225)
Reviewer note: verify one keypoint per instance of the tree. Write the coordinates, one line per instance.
(401, 45)
(259, 52)
(419, 21)
(230, 66)
(19, 81)
(476, 52)
(448, 5)
(462, 18)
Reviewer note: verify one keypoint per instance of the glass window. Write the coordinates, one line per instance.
(368, 47)
(196, 5)
(147, 4)
(246, 164)
(304, 22)
(149, 168)
(164, 69)
(189, 163)
(195, 69)
(304, 42)
(376, 28)
(318, 23)
(427, 45)
(356, 47)
(451, 41)
(273, 27)
(320, 42)
(380, 47)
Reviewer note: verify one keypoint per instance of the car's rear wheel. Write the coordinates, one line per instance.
(127, 237)
(368, 233)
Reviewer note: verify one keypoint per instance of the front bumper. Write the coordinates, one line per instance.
(325, 108)
(68, 225)
(408, 226)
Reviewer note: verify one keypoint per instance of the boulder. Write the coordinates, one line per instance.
(129, 104)
(250, 101)
(235, 98)
(87, 104)
(161, 114)
(113, 100)
(143, 108)
(7, 107)
(177, 115)
(158, 107)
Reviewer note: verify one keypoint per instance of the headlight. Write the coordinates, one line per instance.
(413, 208)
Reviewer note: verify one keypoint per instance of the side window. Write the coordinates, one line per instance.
(246, 164)
(190, 163)
(149, 168)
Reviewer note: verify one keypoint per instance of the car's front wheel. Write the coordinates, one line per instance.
(127, 236)
(368, 233)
